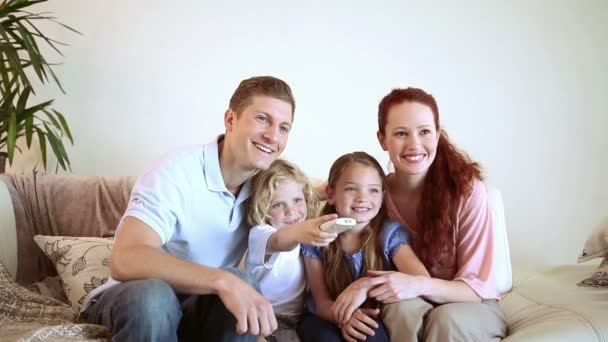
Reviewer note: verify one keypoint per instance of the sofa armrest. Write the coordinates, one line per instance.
(8, 231)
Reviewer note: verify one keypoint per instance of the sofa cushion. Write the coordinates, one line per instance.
(83, 263)
(546, 305)
(502, 257)
(61, 205)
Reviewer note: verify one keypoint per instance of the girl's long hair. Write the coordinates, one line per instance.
(448, 182)
(337, 270)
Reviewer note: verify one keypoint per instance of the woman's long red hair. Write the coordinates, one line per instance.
(448, 182)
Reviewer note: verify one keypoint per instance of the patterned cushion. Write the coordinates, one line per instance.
(599, 277)
(83, 263)
(17, 304)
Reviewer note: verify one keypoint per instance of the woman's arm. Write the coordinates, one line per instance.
(316, 282)
(413, 280)
(391, 287)
(473, 279)
(447, 291)
(407, 262)
(436, 290)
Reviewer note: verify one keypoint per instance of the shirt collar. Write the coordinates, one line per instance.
(211, 166)
(213, 172)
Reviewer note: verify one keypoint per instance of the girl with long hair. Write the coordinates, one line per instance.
(339, 309)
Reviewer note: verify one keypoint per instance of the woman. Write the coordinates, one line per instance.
(437, 192)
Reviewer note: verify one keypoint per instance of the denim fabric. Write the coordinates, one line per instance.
(150, 310)
(138, 310)
(313, 328)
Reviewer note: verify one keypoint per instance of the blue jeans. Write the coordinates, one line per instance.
(150, 310)
(314, 328)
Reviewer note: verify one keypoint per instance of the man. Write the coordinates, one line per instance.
(183, 233)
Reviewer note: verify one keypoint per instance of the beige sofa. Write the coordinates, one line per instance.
(540, 305)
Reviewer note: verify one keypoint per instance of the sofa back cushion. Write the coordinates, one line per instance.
(91, 206)
(502, 257)
(62, 205)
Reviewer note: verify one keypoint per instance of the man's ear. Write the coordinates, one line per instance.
(382, 140)
(229, 118)
(329, 192)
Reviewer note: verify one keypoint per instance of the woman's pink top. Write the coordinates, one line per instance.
(474, 261)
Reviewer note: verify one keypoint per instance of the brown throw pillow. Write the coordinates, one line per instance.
(599, 277)
(83, 263)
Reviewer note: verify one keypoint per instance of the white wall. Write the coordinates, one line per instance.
(521, 86)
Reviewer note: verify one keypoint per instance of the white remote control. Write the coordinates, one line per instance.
(338, 225)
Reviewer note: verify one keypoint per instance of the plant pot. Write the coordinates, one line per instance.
(3, 160)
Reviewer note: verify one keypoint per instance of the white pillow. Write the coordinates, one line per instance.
(597, 243)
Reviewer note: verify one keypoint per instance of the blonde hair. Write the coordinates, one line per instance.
(337, 270)
(264, 186)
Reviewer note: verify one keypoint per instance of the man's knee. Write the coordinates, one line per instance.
(140, 310)
(152, 294)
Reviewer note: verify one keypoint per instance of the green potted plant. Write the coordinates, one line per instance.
(21, 59)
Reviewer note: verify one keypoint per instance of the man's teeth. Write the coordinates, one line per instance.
(414, 158)
(262, 148)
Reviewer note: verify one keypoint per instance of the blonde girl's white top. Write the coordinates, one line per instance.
(282, 277)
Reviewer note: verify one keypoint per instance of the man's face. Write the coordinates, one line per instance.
(259, 132)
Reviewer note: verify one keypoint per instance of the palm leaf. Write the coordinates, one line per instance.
(12, 136)
(42, 143)
(64, 125)
(21, 57)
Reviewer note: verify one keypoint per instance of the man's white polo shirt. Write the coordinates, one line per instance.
(183, 198)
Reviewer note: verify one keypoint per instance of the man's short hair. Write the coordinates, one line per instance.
(261, 85)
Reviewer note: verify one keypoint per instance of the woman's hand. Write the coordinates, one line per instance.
(348, 301)
(390, 287)
(360, 325)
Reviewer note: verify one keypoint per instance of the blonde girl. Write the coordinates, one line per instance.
(282, 199)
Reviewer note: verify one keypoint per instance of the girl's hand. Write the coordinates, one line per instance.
(391, 287)
(348, 301)
(360, 325)
(309, 233)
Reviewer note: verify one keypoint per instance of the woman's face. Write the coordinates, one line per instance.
(411, 138)
(358, 193)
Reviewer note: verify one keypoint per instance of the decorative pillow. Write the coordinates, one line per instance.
(597, 243)
(83, 263)
(599, 277)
